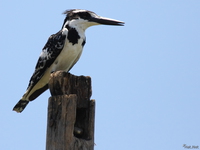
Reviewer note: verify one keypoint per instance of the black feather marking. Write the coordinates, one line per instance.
(73, 35)
(83, 42)
(36, 93)
(51, 50)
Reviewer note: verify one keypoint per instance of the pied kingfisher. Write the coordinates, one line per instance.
(61, 51)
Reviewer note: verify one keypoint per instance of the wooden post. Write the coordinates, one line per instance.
(70, 120)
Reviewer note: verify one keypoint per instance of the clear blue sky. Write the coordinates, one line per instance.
(145, 75)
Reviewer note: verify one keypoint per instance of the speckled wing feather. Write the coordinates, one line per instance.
(51, 50)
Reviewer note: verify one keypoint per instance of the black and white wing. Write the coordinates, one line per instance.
(50, 52)
(39, 80)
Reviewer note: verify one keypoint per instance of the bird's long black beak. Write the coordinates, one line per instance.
(106, 21)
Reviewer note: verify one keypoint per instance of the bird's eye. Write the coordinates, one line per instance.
(84, 15)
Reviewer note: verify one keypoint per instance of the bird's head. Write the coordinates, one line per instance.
(84, 19)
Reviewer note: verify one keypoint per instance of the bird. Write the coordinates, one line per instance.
(61, 51)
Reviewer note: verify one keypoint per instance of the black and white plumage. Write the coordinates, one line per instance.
(61, 51)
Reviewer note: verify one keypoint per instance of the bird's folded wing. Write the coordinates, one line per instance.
(51, 50)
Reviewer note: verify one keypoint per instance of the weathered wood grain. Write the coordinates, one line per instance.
(71, 113)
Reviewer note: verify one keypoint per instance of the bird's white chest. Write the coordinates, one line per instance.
(68, 56)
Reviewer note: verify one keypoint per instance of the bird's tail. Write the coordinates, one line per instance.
(19, 107)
